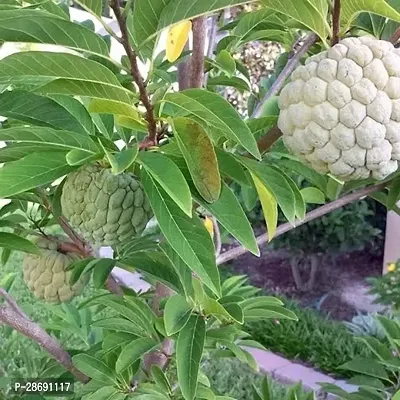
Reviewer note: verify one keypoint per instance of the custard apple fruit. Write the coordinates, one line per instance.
(46, 275)
(341, 111)
(105, 208)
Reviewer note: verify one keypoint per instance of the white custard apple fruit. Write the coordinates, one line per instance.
(341, 111)
(46, 274)
(105, 208)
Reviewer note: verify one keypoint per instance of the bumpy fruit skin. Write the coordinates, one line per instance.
(105, 208)
(341, 111)
(46, 275)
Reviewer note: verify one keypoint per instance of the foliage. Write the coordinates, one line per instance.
(378, 375)
(314, 339)
(72, 107)
(387, 286)
(365, 325)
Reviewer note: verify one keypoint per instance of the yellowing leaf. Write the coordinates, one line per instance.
(198, 151)
(177, 37)
(209, 226)
(269, 206)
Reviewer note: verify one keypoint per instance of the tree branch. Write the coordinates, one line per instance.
(336, 22)
(267, 141)
(136, 75)
(196, 72)
(309, 41)
(12, 303)
(33, 331)
(314, 214)
(395, 37)
(183, 71)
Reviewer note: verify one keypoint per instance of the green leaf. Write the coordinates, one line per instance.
(230, 167)
(216, 309)
(133, 351)
(32, 171)
(396, 396)
(39, 110)
(176, 314)
(104, 393)
(35, 26)
(186, 236)
(79, 157)
(199, 154)
(160, 379)
(59, 140)
(269, 311)
(352, 8)
(238, 83)
(312, 176)
(274, 180)
(156, 265)
(102, 106)
(230, 214)
(94, 368)
(260, 302)
(14, 242)
(333, 188)
(269, 206)
(96, 6)
(101, 271)
(370, 367)
(394, 193)
(214, 113)
(309, 13)
(124, 159)
(226, 62)
(119, 325)
(169, 177)
(189, 350)
(313, 195)
(61, 73)
(130, 123)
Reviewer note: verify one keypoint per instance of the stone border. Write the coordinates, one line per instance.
(288, 372)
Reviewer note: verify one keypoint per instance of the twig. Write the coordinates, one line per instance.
(136, 75)
(309, 41)
(100, 19)
(314, 214)
(395, 37)
(12, 303)
(199, 30)
(336, 22)
(33, 331)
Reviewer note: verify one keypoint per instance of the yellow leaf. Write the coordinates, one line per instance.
(177, 37)
(269, 206)
(209, 225)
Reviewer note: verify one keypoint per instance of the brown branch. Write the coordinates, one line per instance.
(12, 303)
(267, 141)
(33, 331)
(196, 72)
(395, 37)
(136, 75)
(183, 71)
(336, 22)
(309, 41)
(314, 214)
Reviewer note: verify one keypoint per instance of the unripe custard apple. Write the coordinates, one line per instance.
(105, 208)
(46, 275)
(341, 111)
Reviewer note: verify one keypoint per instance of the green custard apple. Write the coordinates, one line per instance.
(46, 275)
(105, 209)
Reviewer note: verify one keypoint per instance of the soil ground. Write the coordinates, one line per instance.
(272, 272)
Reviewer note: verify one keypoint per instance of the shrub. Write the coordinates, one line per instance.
(312, 339)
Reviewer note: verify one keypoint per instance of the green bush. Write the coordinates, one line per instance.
(313, 339)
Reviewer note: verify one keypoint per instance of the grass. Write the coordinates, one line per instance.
(314, 339)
